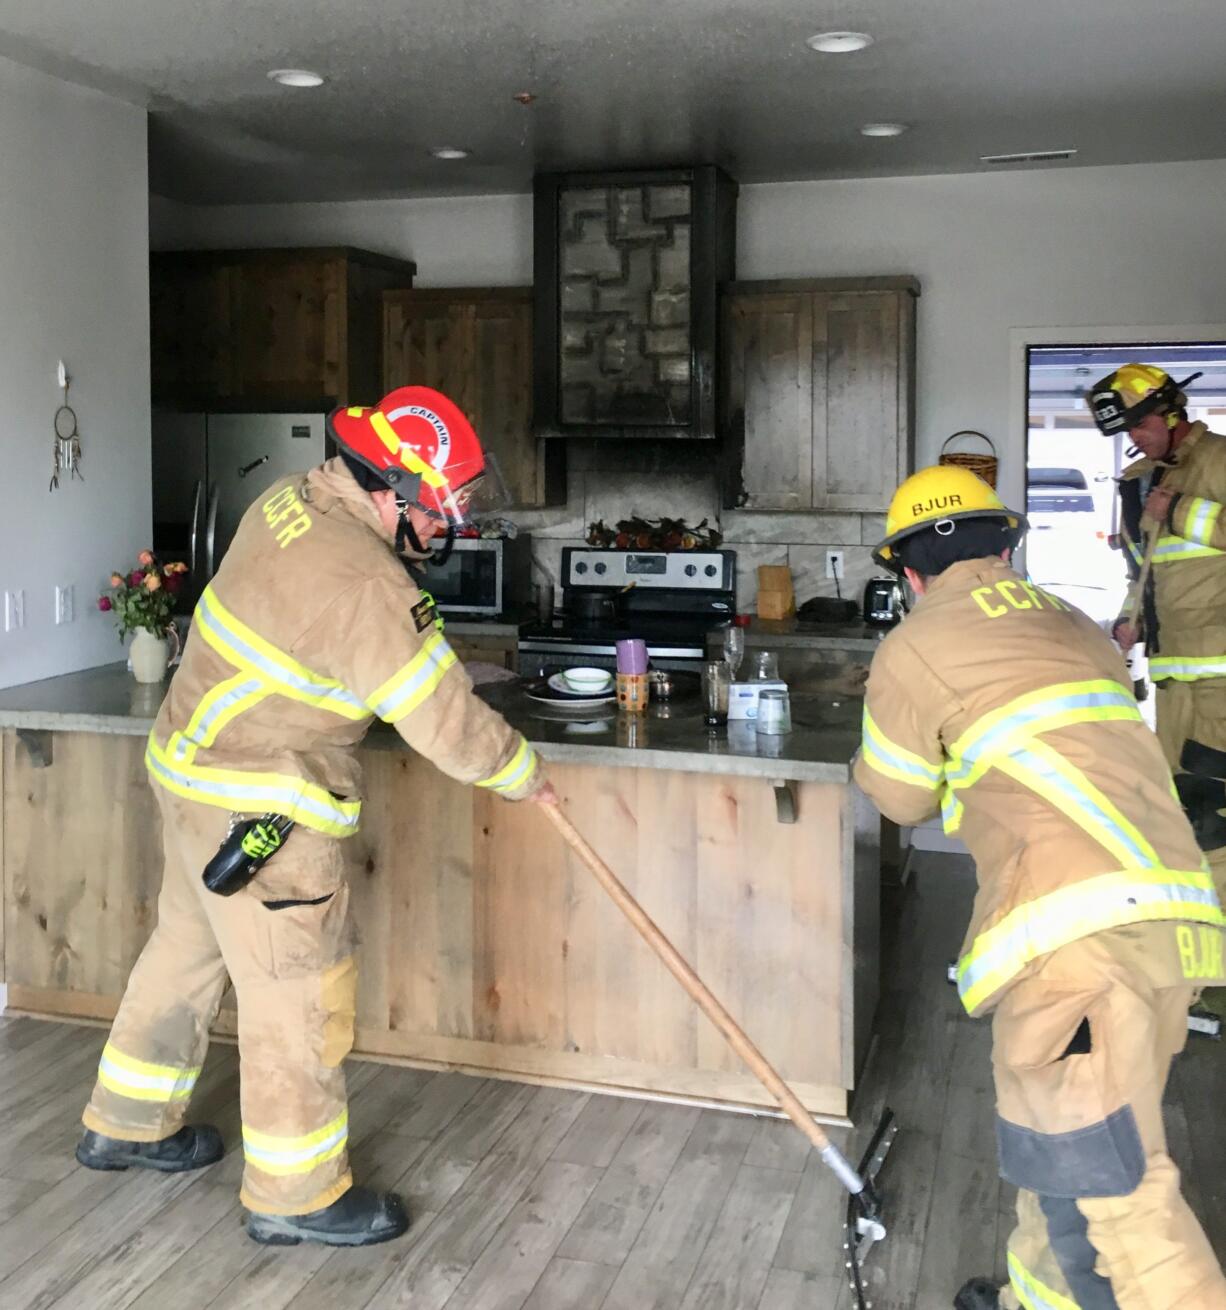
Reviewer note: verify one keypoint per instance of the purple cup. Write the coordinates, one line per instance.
(632, 656)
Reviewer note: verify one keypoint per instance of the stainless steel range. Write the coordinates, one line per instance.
(675, 599)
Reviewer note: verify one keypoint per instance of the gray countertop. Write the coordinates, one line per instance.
(825, 734)
(784, 634)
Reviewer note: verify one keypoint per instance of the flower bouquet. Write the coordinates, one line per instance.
(143, 602)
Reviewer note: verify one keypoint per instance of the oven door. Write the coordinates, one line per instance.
(471, 580)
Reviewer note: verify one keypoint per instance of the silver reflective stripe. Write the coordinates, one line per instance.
(1032, 717)
(254, 796)
(284, 671)
(219, 707)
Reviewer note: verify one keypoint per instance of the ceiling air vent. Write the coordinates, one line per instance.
(1028, 157)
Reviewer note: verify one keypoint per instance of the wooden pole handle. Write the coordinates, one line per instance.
(1137, 606)
(698, 991)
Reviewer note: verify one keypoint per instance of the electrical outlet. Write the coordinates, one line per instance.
(63, 604)
(14, 610)
(834, 563)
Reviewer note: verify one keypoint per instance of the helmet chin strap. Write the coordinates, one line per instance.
(405, 532)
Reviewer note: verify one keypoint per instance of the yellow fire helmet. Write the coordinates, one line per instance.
(1123, 398)
(939, 496)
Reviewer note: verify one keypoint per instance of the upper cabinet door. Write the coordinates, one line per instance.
(861, 398)
(475, 346)
(291, 329)
(501, 392)
(192, 330)
(769, 380)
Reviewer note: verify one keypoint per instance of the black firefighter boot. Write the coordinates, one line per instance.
(978, 1294)
(358, 1218)
(189, 1148)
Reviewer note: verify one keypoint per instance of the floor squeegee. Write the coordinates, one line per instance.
(863, 1225)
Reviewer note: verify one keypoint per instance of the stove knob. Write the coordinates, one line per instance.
(691, 570)
(602, 568)
(711, 570)
(580, 568)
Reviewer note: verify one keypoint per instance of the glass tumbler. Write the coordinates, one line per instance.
(774, 713)
(716, 681)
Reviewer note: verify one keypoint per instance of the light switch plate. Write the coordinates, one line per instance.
(64, 604)
(14, 610)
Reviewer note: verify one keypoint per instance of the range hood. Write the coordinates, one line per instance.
(627, 269)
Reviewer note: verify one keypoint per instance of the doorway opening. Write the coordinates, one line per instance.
(1073, 548)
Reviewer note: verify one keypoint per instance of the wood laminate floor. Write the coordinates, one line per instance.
(527, 1198)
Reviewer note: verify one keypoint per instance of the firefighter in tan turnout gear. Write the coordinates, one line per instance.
(1174, 496)
(311, 629)
(1096, 917)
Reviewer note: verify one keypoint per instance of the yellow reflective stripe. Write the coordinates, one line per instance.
(1201, 520)
(1173, 550)
(141, 1081)
(241, 646)
(225, 702)
(408, 456)
(1046, 772)
(355, 411)
(296, 1155)
(1058, 705)
(952, 811)
(515, 772)
(1033, 1294)
(1134, 550)
(411, 684)
(1108, 900)
(1187, 668)
(894, 761)
(254, 793)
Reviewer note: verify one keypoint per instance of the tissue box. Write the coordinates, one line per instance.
(743, 698)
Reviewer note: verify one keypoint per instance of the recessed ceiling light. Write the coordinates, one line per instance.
(296, 77)
(839, 43)
(449, 152)
(883, 129)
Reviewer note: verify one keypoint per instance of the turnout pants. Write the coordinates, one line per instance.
(1191, 721)
(1081, 1053)
(285, 943)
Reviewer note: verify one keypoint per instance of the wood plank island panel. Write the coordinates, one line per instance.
(484, 944)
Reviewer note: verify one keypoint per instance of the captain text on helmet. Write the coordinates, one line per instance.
(1010, 714)
(310, 631)
(1171, 512)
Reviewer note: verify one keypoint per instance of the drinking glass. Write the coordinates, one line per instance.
(765, 666)
(716, 680)
(734, 649)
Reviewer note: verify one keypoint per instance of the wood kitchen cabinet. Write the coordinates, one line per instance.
(817, 394)
(475, 346)
(269, 329)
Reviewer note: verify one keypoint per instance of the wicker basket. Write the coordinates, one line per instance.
(983, 465)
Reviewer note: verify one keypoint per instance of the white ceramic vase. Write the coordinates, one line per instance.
(150, 656)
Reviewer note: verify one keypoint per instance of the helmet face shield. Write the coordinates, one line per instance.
(484, 494)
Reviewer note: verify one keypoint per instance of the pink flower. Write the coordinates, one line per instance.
(152, 582)
(116, 579)
(145, 558)
(104, 603)
(135, 578)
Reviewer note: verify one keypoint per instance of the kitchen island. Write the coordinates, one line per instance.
(485, 945)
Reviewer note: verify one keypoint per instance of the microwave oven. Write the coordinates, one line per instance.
(484, 577)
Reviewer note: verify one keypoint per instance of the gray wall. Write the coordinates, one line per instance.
(74, 271)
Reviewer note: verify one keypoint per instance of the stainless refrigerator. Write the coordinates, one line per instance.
(209, 468)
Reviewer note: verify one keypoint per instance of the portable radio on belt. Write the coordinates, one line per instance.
(247, 847)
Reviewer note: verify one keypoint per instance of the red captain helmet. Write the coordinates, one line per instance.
(419, 445)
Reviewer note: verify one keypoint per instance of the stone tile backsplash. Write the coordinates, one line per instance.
(611, 481)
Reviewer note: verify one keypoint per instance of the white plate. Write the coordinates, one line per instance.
(565, 700)
(558, 682)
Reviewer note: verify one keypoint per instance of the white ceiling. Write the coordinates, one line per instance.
(628, 82)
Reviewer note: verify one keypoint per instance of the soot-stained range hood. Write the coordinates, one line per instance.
(627, 268)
